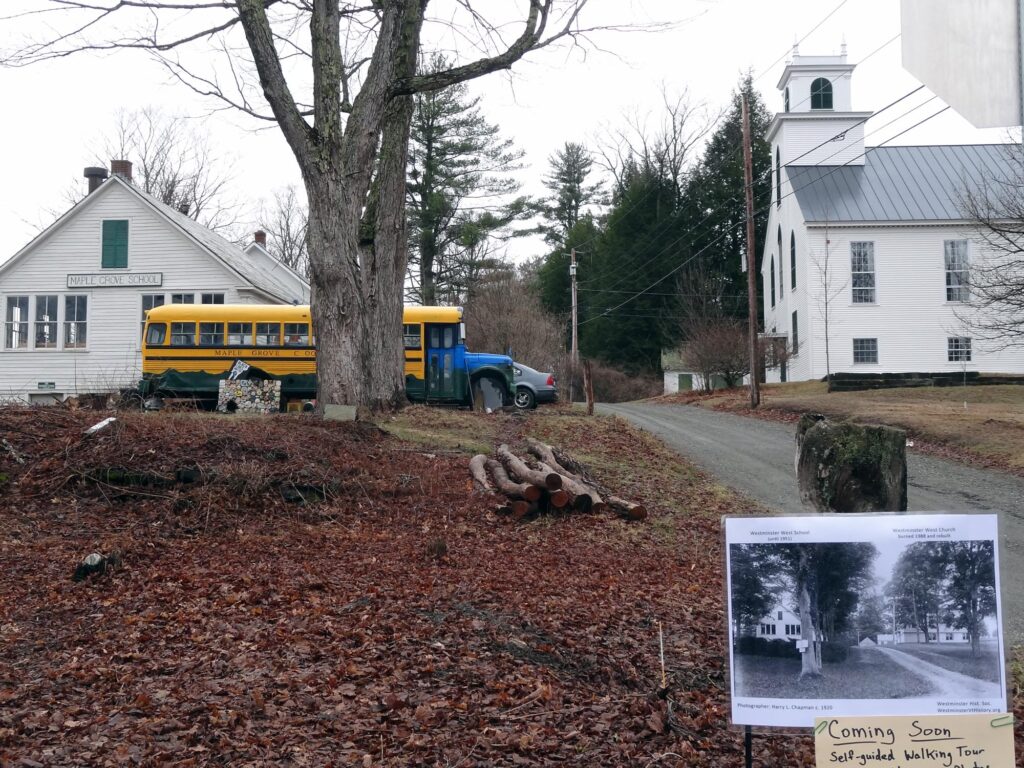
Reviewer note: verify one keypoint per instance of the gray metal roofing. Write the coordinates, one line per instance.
(901, 183)
(233, 256)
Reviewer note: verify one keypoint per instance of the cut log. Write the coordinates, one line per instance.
(627, 509)
(559, 499)
(521, 509)
(587, 498)
(518, 469)
(509, 487)
(546, 453)
(478, 469)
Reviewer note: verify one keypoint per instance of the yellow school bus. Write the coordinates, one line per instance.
(188, 349)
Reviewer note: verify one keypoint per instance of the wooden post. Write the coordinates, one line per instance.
(748, 177)
(588, 385)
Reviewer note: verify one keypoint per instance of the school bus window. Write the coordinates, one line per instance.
(411, 336)
(211, 334)
(239, 334)
(183, 334)
(268, 335)
(296, 334)
(157, 334)
(449, 337)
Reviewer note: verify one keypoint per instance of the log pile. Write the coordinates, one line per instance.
(546, 481)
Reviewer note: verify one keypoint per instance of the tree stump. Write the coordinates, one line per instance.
(846, 467)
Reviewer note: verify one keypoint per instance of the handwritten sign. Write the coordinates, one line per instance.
(933, 741)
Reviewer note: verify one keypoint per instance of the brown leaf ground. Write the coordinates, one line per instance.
(244, 629)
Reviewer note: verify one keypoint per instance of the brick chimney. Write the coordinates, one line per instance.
(122, 168)
(261, 238)
(96, 176)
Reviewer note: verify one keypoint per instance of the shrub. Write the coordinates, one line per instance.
(834, 653)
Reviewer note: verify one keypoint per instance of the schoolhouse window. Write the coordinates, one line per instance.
(16, 323)
(796, 335)
(779, 616)
(46, 322)
(771, 280)
(75, 321)
(792, 260)
(213, 298)
(821, 94)
(149, 301)
(786, 98)
(115, 244)
(183, 298)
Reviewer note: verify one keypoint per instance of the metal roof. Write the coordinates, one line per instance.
(899, 184)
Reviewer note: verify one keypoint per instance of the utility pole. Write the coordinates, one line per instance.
(748, 176)
(575, 351)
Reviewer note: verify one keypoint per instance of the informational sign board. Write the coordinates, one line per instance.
(967, 54)
(951, 741)
(858, 615)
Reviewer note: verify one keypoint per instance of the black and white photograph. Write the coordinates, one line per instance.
(874, 614)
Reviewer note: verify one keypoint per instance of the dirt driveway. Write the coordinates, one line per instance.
(755, 457)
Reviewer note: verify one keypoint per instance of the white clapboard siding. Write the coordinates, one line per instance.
(111, 360)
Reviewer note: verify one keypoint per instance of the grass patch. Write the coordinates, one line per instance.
(446, 428)
(987, 666)
(866, 674)
(985, 423)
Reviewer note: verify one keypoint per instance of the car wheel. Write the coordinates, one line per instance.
(525, 399)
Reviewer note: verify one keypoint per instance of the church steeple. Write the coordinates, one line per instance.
(817, 110)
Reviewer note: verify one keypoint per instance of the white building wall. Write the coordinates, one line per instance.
(814, 142)
(910, 318)
(111, 359)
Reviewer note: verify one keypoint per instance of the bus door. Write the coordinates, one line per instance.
(442, 341)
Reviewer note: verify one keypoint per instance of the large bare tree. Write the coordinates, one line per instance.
(338, 78)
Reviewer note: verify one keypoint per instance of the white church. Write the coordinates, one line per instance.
(888, 225)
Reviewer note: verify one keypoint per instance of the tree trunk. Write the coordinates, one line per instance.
(810, 659)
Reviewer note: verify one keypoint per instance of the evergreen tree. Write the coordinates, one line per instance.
(716, 204)
(553, 274)
(637, 248)
(569, 192)
(457, 178)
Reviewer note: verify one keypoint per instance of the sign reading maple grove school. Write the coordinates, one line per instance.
(116, 280)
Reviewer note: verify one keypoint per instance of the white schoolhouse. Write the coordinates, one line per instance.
(887, 223)
(74, 299)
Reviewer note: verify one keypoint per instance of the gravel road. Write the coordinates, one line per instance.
(755, 457)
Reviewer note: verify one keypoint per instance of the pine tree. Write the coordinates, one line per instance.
(569, 192)
(715, 199)
(457, 178)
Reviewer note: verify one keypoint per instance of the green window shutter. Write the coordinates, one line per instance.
(115, 244)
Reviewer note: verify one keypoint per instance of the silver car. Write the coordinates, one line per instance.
(533, 387)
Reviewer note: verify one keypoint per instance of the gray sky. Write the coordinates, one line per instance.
(56, 111)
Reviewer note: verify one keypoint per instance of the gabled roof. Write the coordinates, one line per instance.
(901, 184)
(224, 251)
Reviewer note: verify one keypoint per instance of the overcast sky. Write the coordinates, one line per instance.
(56, 111)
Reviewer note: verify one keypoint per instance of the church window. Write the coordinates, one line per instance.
(821, 94)
(792, 260)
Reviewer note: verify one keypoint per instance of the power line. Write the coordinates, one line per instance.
(768, 172)
(823, 176)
